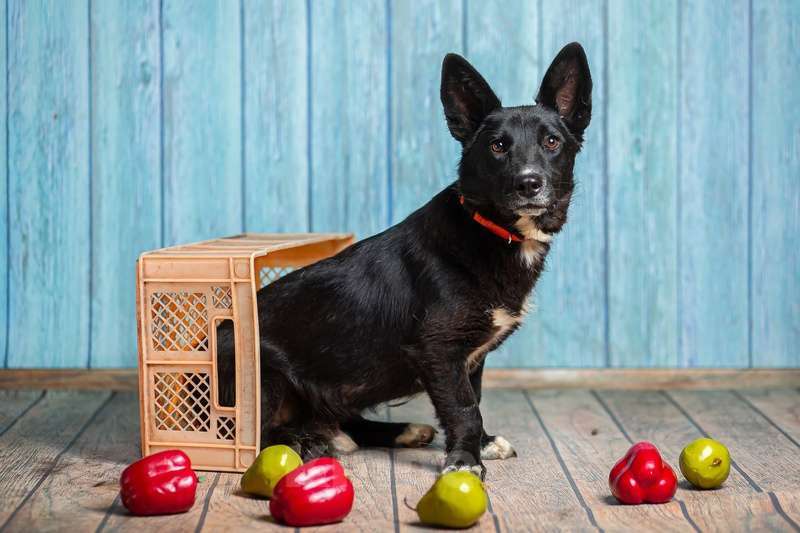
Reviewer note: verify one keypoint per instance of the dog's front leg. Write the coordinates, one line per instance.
(492, 446)
(450, 390)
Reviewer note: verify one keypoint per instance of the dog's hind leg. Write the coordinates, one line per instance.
(388, 434)
(286, 419)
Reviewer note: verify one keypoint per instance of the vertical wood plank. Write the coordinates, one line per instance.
(49, 184)
(503, 44)
(126, 175)
(569, 325)
(775, 211)
(713, 188)
(424, 155)
(5, 199)
(349, 116)
(642, 163)
(275, 116)
(202, 127)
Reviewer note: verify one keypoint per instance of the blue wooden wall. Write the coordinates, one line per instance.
(130, 125)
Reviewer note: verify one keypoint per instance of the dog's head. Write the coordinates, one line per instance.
(517, 162)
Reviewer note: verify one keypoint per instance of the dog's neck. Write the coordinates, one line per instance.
(527, 227)
(528, 230)
(536, 243)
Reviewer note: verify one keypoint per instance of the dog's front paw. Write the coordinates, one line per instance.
(415, 436)
(459, 460)
(497, 448)
(478, 470)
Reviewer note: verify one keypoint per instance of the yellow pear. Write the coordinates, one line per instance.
(706, 463)
(457, 499)
(269, 467)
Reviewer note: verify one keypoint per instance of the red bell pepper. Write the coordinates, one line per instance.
(162, 483)
(642, 476)
(315, 493)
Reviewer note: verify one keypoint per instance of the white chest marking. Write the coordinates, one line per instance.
(502, 321)
(532, 249)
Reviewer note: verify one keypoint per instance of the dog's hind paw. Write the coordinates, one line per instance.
(342, 444)
(497, 448)
(415, 436)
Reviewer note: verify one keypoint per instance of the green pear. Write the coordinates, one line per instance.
(269, 467)
(457, 499)
(706, 463)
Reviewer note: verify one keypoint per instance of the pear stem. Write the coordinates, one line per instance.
(405, 501)
(716, 462)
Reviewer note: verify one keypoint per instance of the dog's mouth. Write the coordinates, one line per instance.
(530, 210)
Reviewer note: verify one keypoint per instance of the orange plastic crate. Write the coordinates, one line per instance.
(183, 293)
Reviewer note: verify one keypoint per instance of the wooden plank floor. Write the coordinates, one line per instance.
(62, 452)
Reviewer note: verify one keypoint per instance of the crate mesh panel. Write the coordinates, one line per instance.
(221, 297)
(226, 428)
(183, 401)
(269, 274)
(179, 321)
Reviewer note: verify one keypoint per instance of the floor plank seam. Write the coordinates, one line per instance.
(611, 415)
(495, 519)
(23, 413)
(752, 406)
(56, 460)
(393, 479)
(685, 513)
(201, 522)
(101, 526)
(563, 465)
(777, 505)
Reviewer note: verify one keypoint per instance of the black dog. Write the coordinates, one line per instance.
(417, 307)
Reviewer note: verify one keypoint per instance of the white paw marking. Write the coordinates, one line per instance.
(415, 436)
(498, 448)
(475, 469)
(342, 444)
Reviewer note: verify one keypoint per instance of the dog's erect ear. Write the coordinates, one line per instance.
(567, 88)
(466, 97)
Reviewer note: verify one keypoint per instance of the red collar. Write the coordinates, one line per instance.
(498, 230)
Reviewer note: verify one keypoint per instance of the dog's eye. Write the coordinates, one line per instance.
(551, 143)
(498, 147)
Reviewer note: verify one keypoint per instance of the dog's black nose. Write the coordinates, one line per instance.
(529, 186)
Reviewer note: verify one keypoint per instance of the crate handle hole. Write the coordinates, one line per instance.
(225, 353)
